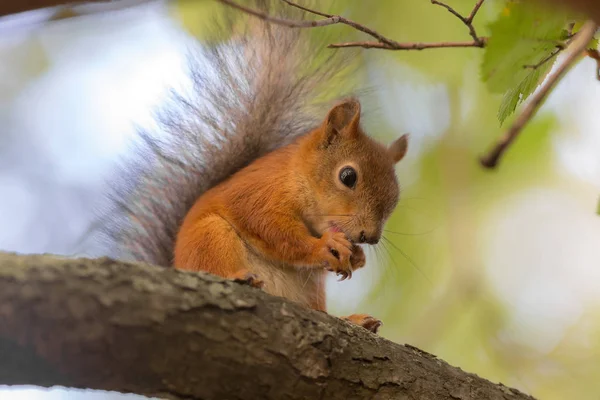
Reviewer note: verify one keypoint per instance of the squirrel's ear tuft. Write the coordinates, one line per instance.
(344, 118)
(398, 148)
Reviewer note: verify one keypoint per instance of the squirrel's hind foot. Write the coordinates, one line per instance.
(246, 277)
(366, 321)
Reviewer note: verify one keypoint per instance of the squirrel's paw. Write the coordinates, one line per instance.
(335, 253)
(246, 277)
(364, 320)
(357, 259)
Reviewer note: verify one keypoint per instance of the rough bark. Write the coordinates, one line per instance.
(104, 324)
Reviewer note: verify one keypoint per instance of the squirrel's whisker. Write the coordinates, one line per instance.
(408, 234)
(407, 258)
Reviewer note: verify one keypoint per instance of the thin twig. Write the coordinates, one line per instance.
(468, 21)
(330, 19)
(283, 21)
(474, 12)
(544, 60)
(450, 9)
(575, 49)
(310, 10)
(345, 21)
(408, 46)
(595, 54)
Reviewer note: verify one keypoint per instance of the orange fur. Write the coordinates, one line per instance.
(285, 216)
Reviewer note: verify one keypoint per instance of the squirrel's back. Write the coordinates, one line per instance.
(251, 94)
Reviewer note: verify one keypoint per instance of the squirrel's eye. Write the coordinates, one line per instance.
(348, 176)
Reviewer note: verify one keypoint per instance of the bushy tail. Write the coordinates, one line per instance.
(251, 94)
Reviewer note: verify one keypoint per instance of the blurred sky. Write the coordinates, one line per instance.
(65, 124)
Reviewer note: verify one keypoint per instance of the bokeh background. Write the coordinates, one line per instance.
(497, 272)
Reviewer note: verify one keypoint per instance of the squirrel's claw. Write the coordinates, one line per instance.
(245, 277)
(366, 321)
(344, 275)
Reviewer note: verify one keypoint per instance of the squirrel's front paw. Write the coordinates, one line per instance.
(357, 259)
(366, 321)
(335, 251)
(246, 277)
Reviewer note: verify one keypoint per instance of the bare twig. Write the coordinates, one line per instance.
(474, 12)
(409, 45)
(283, 21)
(575, 49)
(310, 10)
(544, 60)
(345, 21)
(468, 21)
(381, 42)
(595, 54)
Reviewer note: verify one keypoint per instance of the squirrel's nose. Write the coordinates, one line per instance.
(370, 239)
(373, 240)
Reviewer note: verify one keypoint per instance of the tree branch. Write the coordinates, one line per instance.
(109, 325)
(346, 21)
(382, 41)
(575, 49)
(330, 20)
(595, 55)
(474, 12)
(468, 21)
(545, 59)
(408, 46)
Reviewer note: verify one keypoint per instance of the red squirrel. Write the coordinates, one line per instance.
(254, 183)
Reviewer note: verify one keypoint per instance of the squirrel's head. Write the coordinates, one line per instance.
(355, 186)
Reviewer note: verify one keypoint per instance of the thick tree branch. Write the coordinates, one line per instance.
(575, 50)
(154, 331)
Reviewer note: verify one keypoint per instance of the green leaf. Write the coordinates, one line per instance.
(524, 34)
(515, 96)
(598, 207)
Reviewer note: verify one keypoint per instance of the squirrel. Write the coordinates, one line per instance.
(250, 180)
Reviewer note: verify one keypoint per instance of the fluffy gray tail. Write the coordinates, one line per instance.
(251, 94)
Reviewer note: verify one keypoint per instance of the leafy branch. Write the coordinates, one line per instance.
(577, 48)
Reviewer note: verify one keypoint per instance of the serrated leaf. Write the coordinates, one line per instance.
(523, 34)
(513, 97)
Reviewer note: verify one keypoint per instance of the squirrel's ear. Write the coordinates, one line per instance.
(343, 118)
(398, 148)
